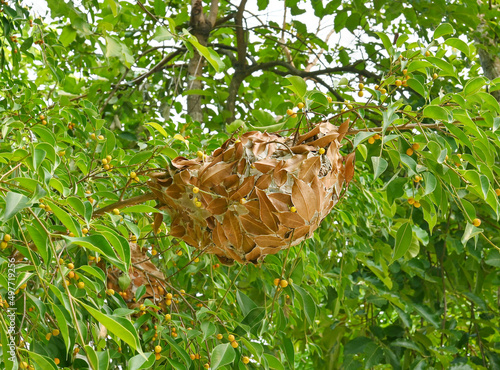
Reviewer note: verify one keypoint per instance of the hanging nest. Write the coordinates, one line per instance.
(143, 272)
(256, 195)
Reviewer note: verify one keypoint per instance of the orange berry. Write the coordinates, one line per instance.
(415, 146)
(283, 283)
(57, 361)
(398, 83)
(276, 281)
(411, 201)
(234, 344)
(371, 140)
(497, 191)
(417, 204)
(409, 151)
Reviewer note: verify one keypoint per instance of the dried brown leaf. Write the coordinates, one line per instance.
(309, 169)
(304, 200)
(254, 226)
(267, 211)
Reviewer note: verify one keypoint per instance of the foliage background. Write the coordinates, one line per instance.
(382, 284)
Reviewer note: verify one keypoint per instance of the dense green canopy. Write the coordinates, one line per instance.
(404, 273)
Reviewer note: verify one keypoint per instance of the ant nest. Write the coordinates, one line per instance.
(255, 195)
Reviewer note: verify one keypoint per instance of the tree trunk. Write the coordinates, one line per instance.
(489, 62)
(201, 26)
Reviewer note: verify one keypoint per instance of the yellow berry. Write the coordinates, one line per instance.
(409, 151)
(42, 117)
(197, 204)
(294, 115)
(200, 154)
(168, 317)
(415, 146)
(411, 201)
(376, 136)
(219, 336)
(7, 238)
(398, 83)
(3, 245)
(55, 332)
(70, 266)
(383, 91)
(206, 366)
(290, 112)
(417, 178)
(230, 337)
(109, 158)
(283, 283)
(196, 260)
(62, 153)
(71, 235)
(157, 356)
(434, 76)
(234, 344)
(57, 361)
(168, 302)
(44, 122)
(361, 86)
(349, 106)
(476, 222)
(276, 281)
(245, 360)
(427, 53)
(417, 204)
(192, 356)
(196, 190)
(93, 136)
(360, 94)
(497, 191)
(243, 201)
(48, 336)
(169, 296)
(293, 209)
(329, 99)
(377, 87)
(405, 72)
(371, 140)
(179, 253)
(300, 105)
(81, 285)
(71, 275)
(110, 292)
(100, 137)
(104, 161)
(133, 175)
(157, 349)
(321, 151)
(116, 211)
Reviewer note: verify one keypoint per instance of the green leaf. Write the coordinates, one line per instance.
(458, 44)
(470, 232)
(179, 350)
(443, 29)
(379, 166)
(245, 303)
(436, 112)
(140, 208)
(403, 241)
(99, 244)
(211, 56)
(158, 128)
(299, 86)
(63, 325)
(162, 34)
(474, 85)
(14, 203)
(430, 183)
(417, 86)
(139, 362)
(424, 311)
(41, 241)
(360, 137)
(493, 258)
(44, 362)
(68, 35)
(119, 326)
(222, 355)
(273, 362)
(386, 41)
(485, 185)
(307, 303)
(64, 217)
(388, 117)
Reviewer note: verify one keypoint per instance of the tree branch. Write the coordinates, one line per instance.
(241, 43)
(124, 203)
(214, 9)
(157, 67)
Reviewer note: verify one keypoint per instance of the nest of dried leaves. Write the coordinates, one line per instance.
(255, 195)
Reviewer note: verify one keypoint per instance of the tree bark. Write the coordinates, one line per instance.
(201, 25)
(489, 62)
(241, 65)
